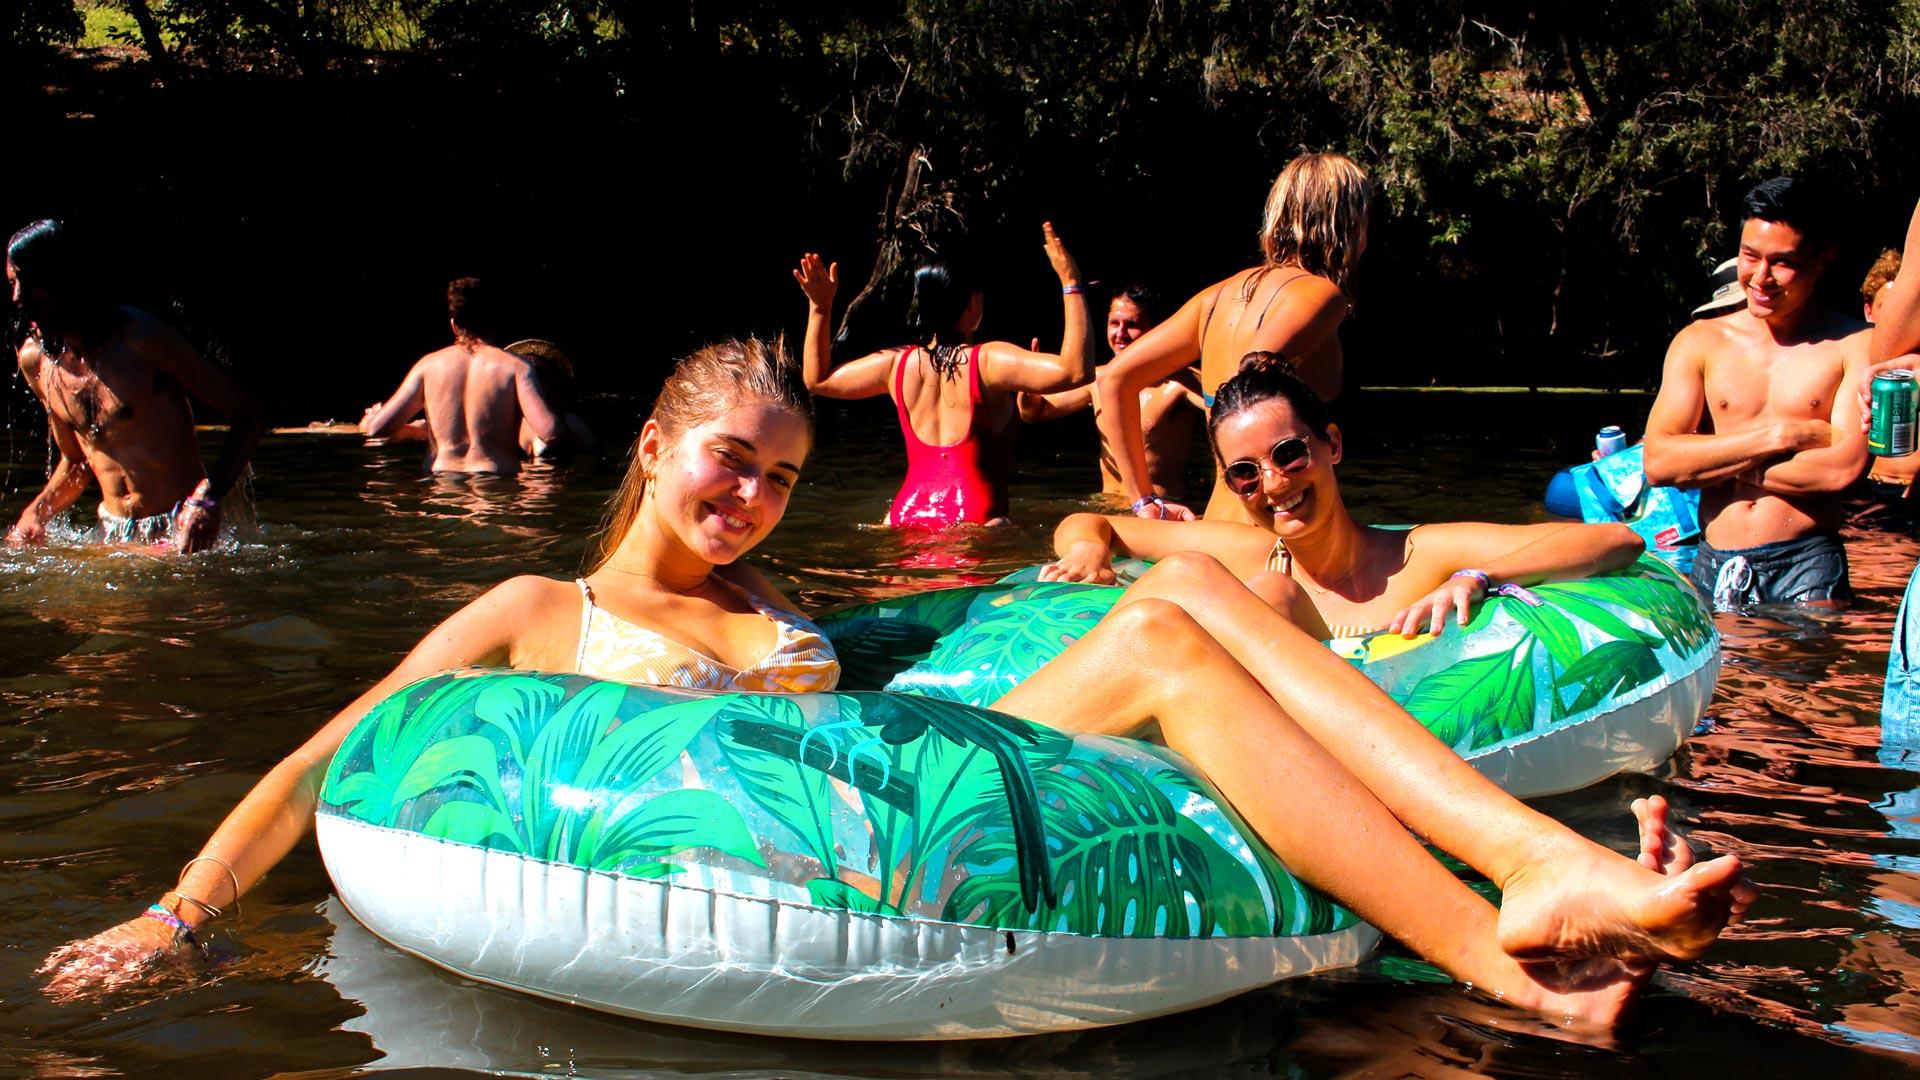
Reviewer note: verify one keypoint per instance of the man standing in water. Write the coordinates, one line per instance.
(473, 392)
(1759, 411)
(114, 381)
(1169, 409)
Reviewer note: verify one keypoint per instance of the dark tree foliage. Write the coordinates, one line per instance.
(1555, 180)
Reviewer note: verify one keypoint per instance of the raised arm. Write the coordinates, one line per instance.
(1156, 354)
(1897, 329)
(1007, 366)
(1678, 455)
(1835, 466)
(855, 379)
(1456, 555)
(273, 817)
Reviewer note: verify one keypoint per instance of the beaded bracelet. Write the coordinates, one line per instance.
(1145, 501)
(1486, 583)
(199, 503)
(181, 931)
(1072, 290)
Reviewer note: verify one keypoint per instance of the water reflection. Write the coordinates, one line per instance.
(142, 696)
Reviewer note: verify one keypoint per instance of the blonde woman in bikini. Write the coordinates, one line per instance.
(1266, 713)
(1312, 235)
(1306, 555)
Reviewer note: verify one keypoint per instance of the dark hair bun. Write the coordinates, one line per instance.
(1262, 361)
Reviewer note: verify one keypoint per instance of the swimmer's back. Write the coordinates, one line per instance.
(473, 408)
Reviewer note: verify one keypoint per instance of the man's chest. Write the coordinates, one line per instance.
(1785, 387)
(96, 394)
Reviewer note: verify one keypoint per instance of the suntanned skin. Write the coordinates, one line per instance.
(117, 410)
(1888, 470)
(1758, 409)
(1168, 411)
(475, 396)
(1896, 339)
(1302, 325)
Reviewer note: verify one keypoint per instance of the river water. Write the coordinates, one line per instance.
(141, 696)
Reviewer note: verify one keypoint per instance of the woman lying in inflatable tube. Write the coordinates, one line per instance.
(1262, 709)
(1307, 556)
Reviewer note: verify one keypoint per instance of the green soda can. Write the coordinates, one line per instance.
(1894, 406)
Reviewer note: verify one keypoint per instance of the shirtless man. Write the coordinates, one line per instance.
(1168, 409)
(114, 381)
(473, 392)
(1758, 409)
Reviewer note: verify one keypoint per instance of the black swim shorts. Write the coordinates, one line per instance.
(1809, 570)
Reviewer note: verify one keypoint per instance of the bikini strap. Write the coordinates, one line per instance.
(1208, 325)
(586, 621)
(1280, 560)
(973, 378)
(1264, 308)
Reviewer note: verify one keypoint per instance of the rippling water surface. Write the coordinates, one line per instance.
(141, 696)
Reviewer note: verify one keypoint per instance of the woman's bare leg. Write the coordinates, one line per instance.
(1315, 814)
(1547, 873)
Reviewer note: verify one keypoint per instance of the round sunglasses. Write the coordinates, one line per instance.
(1287, 455)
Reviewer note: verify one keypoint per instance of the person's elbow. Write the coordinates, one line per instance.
(1623, 546)
(1661, 469)
(548, 427)
(1113, 382)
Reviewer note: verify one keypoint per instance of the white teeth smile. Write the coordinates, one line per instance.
(732, 521)
(1281, 507)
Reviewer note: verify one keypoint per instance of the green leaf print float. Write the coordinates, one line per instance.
(1629, 659)
(863, 801)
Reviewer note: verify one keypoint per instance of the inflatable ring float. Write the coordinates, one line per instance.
(1604, 675)
(906, 865)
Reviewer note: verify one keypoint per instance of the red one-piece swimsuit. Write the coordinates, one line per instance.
(962, 482)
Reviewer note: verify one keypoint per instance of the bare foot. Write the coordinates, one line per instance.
(1666, 850)
(1592, 903)
(1592, 995)
(1663, 849)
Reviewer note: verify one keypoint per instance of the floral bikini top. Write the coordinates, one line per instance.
(801, 660)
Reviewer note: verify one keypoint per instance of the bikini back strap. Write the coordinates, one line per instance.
(973, 375)
(586, 621)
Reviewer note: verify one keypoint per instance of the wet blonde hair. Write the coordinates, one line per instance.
(704, 385)
(1316, 217)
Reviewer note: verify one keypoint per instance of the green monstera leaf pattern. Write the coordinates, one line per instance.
(925, 805)
(872, 803)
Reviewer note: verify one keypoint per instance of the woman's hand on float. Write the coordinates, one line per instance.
(819, 280)
(109, 959)
(1057, 254)
(1086, 560)
(1429, 613)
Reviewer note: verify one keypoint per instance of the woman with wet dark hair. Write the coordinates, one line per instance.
(1277, 447)
(955, 398)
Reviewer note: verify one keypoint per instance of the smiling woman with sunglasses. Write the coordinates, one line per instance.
(1307, 556)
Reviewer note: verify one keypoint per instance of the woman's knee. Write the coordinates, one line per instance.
(1189, 568)
(1281, 592)
(1162, 638)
